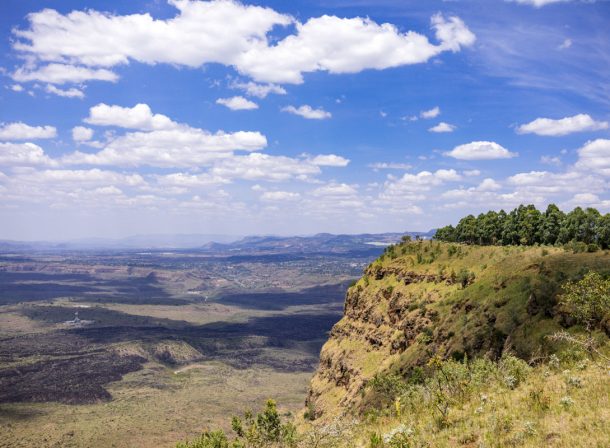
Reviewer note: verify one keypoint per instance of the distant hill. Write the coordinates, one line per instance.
(319, 243)
(154, 241)
(222, 244)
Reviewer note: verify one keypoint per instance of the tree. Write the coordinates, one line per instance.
(588, 227)
(529, 222)
(572, 227)
(466, 230)
(551, 225)
(603, 231)
(510, 234)
(446, 233)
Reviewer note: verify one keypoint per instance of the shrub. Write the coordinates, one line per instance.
(587, 300)
(465, 277)
(513, 370)
(213, 439)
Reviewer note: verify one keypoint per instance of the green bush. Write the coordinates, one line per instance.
(587, 300)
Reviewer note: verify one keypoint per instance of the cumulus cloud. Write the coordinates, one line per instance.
(489, 184)
(88, 177)
(187, 180)
(480, 151)
(545, 183)
(237, 103)
(308, 112)
(22, 131)
(417, 183)
(72, 92)
(21, 154)
(181, 147)
(563, 126)
(595, 156)
(81, 134)
(85, 44)
(258, 90)
(62, 73)
(160, 141)
(275, 196)
(137, 117)
(335, 189)
(330, 160)
(442, 127)
(257, 166)
(432, 113)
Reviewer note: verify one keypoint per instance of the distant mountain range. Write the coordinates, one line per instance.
(158, 241)
(319, 243)
(223, 244)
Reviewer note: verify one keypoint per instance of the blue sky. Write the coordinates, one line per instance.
(138, 117)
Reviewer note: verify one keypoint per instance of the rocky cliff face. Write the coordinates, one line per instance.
(423, 299)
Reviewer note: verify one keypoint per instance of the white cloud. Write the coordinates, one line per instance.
(258, 90)
(563, 126)
(342, 45)
(330, 160)
(23, 154)
(77, 42)
(190, 180)
(472, 173)
(257, 166)
(61, 74)
(81, 134)
(595, 156)
(138, 117)
(237, 103)
(275, 196)
(550, 160)
(432, 113)
(538, 3)
(308, 112)
(417, 183)
(67, 93)
(489, 184)
(334, 189)
(17, 88)
(180, 147)
(22, 131)
(480, 151)
(90, 177)
(567, 43)
(442, 127)
(389, 166)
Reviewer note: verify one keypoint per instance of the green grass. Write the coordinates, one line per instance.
(510, 306)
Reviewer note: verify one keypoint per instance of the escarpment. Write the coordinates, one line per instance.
(426, 298)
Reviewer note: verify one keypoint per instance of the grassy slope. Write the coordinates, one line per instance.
(509, 306)
(563, 407)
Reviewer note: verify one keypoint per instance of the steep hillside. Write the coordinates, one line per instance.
(424, 299)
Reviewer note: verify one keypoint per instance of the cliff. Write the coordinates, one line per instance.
(423, 299)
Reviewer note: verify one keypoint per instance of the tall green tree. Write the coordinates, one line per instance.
(551, 225)
(603, 231)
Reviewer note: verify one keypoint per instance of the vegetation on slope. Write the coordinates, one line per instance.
(563, 402)
(445, 344)
(583, 229)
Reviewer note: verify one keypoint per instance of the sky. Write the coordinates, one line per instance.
(274, 117)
